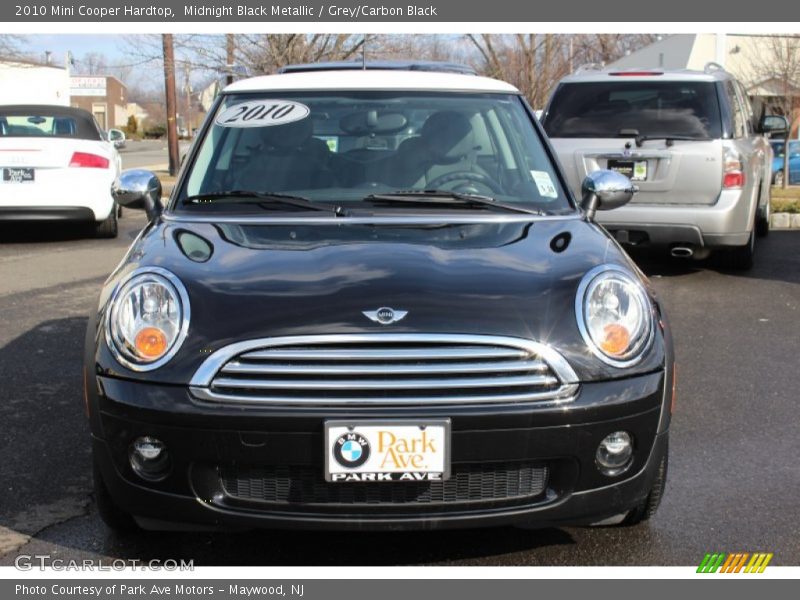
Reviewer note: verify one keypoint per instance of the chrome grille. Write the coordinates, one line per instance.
(386, 369)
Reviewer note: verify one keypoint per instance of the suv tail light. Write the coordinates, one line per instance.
(733, 176)
(92, 161)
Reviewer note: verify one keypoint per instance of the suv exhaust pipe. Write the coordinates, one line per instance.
(682, 251)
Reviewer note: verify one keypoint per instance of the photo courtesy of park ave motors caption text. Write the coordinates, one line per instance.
(514, 299)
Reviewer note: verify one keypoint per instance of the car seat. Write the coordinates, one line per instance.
(288, 158)
(446, 145)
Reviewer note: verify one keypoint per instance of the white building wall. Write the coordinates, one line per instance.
(671, 52)
(704, 51)
(21, 83)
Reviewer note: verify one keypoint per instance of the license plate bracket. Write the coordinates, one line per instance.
(635, 170)
(391, 450)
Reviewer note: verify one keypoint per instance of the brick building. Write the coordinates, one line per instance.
(105, 96)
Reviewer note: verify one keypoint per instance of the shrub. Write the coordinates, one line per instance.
(156, 131)
(132, 126)
(780, 205)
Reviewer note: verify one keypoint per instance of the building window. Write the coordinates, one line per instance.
(99, 112)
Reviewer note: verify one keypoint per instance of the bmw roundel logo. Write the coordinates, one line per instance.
(351, 449)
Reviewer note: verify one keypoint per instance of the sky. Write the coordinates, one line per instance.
(111, 45)
(145, 76)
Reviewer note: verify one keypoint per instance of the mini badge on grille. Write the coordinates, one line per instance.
(385, 315)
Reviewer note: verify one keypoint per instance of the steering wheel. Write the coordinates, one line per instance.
(470, 176)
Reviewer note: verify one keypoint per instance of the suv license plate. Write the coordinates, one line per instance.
(388, 451)
(635, 170)
(14, 175)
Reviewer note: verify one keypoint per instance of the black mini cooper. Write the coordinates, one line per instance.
(371, 302)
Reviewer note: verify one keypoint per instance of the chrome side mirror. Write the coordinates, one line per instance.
(139, 189)
(605, 190)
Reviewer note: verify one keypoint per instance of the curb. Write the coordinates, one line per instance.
(784, 221)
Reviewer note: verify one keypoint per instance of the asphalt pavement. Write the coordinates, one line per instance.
(148, 154)
(734, 475)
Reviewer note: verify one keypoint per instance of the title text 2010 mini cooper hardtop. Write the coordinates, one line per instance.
(371, 302)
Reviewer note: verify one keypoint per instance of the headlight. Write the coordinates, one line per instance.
(614, 315)
(147, 319)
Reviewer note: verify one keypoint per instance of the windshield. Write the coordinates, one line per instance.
(348, 148)
(652, 108)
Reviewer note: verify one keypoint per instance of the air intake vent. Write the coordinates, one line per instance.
(469, 483)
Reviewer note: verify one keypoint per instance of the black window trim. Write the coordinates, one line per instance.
(725, 111)
(725, 129)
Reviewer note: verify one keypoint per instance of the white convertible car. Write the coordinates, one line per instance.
(56, 165)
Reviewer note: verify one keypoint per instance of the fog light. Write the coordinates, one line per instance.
(149, 458)
(614, 453)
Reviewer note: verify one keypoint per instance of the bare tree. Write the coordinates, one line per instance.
(603, 48)
(11, 46)
(267, 53)
(777, 74)
(91, 63)
(448, 48)
(534, 63)
(255, 54)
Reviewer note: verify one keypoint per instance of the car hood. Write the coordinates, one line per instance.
(248, 281)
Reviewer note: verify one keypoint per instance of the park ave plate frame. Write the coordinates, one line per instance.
(629, 168)
(19, 175)
(339, 427)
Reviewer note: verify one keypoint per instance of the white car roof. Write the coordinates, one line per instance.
(372, 79)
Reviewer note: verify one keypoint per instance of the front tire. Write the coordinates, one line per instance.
(648, 507)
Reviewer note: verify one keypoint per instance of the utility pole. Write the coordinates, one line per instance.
(169, 84)
(188, 90)
(230, 47)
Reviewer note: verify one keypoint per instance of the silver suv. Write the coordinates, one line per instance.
(688, 139)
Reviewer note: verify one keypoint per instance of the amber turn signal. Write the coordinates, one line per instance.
(617, 339)
(151, 342)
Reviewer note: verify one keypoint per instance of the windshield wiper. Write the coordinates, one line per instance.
(669, 139)
(262, 198)
(445, 198)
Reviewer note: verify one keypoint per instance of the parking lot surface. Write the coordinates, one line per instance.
(734, 473)
(148, 154)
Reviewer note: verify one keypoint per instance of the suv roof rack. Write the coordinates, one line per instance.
(712, 67)
(390, 65)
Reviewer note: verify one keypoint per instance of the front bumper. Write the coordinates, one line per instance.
(206, 441)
